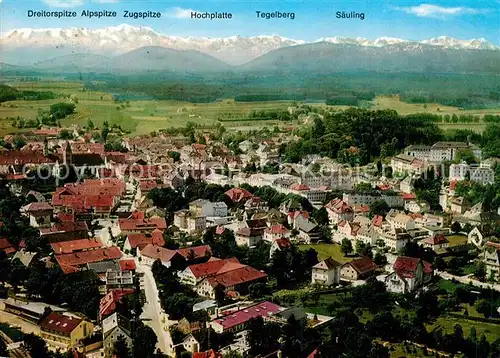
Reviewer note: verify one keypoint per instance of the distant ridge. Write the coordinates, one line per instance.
(21, 46)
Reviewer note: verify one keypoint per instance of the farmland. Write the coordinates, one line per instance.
(144, 116)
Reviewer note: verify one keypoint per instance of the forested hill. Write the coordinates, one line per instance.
(357, 136)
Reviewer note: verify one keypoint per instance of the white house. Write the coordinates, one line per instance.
(326, 272)
(409, 274)
(276, 232)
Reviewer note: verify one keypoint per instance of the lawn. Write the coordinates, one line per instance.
(327, 250)
(457, 240)
(490, 330)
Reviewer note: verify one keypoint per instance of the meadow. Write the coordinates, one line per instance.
(145, 116)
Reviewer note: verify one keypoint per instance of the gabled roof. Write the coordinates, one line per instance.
(362, 265)
(63, 324)
(127, 265)
(6, 246)
(157, 252)
(107, 304)
(210, 267)
(238, 194)
(407, 266)
(71, 262)
(66, 247)
(37, 206)
(283, 243)
(242, 316)
(241, 274)
(339, 206)
(327, 264)
(277, 229)
(195, 251)
(436, 240)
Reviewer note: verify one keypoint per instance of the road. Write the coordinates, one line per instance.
(467, 280)
(153, 315)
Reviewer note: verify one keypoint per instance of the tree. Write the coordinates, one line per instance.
(321, 216)
(90, 125)
(346, 246)
(379, 207)
(360, 247)
(176, 156)
(145, 341)
(120, 348)
(35, 346)
(3, 349)
(480, 270)
(456, 227)
(380, 259)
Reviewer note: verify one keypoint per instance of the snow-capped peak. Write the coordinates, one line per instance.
(234, 49)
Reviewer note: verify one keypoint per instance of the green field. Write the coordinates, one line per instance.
(145, 116)
(327, 250)
(490, 330)
(457, 240)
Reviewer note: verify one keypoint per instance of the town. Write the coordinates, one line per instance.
(208, 243)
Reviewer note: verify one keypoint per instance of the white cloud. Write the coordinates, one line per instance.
(428, 10)
(107, 1)
(180, 13)
(64, 3)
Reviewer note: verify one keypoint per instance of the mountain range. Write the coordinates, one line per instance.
(21, 46)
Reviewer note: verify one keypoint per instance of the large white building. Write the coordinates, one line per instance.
(482, 174)
(441, 151)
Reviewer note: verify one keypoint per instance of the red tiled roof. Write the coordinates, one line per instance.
(407, 266)
(297, 213)
(453, 184)
(157, 252)
(60, 323)
(242, 274)
(299, 187)
(198, 251)
(141, 240)
(65, 217)
(219, 230)
(210, 268)
(377, 220)
(37, 206)
(18, 157)
(66, 247)
(65, 227)
(147, 185)
(363, 265)
(71, 262)
(246, 231)
(127, 265)
(277, 229)
(6, 246)
(142, 224)
(339, 206)
(409, 196)
(208, 354)
(238, 194)
(107, 304)
(436, 240)
(242, 316)
(283, 243)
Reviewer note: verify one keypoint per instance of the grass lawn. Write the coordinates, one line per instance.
(447, 285)
(456, 240)
(326, 250)
(490, 330)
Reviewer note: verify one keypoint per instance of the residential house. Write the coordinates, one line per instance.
(308, 232)
(109, 302)
(297, 216)
(238, 195)
(436, 242)
(279, 245)
(134, 241)
(358, 269)
(189, 221)
(407, 185)
(338, 210)
(409, 274)
(491, 258)
(326, 272)
(63, 330)
(250, 237)
(137, 223)
(65, 231)
(177, 259)
(114, 327)
(39, 213)
(194, 274)
(395, 239)
(237, 321)
(275, 232)
(404, 163)
(232, 279)
(399, 220)
(459, 205)
(68, 247)
(73, 262)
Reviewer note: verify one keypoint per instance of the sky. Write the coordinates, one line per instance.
(412, 20)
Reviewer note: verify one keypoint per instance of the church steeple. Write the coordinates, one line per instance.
(68, 154)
